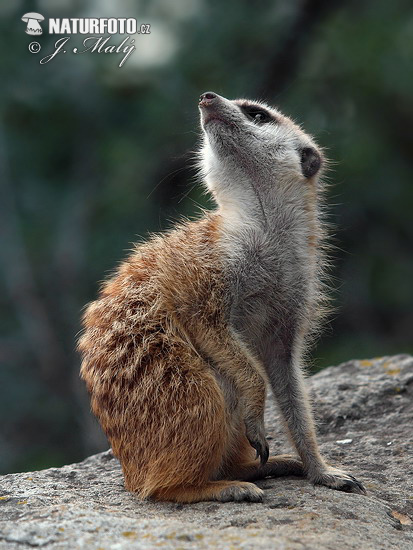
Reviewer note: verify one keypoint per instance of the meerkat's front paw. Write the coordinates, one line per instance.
(337, 479)
(255, 432)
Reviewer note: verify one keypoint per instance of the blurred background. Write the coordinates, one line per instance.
(93, 157)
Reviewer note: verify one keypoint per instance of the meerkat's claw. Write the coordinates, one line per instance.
(255, 432)
(339, 480)
(355, 484)
(262, 450)
(265, 454)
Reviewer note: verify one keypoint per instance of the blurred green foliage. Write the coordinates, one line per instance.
(93, 157)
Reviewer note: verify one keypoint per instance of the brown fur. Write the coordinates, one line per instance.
(154, 392)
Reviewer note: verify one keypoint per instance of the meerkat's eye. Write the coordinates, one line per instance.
(257, 114)
(260, 117)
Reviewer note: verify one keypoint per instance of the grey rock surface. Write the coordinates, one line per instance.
(364, 411)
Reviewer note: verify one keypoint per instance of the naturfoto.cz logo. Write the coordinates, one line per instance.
(92, 26)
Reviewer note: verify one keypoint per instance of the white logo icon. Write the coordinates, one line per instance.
(33, 25)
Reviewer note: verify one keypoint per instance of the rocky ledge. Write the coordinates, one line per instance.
(364, 411)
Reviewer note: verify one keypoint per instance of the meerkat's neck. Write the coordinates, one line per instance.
(245, 207)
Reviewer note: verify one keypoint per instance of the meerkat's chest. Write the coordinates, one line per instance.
(270, 282)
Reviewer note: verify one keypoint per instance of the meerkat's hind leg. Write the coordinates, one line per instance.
(223, 491)
(243, 467)
(176, 448)
(276, 466)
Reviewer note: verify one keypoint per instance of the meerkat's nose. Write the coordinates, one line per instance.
(207, 97)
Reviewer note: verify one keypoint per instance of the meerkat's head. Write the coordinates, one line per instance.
(251, 152)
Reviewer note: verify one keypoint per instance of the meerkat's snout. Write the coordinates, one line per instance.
(207, 98)
(214, 108)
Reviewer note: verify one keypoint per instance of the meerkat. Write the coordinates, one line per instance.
(184, 339)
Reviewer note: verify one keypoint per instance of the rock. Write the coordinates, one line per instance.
(364, 413)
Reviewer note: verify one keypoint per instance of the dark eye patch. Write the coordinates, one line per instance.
(257, 114)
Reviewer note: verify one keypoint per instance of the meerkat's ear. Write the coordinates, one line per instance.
(310, 162)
